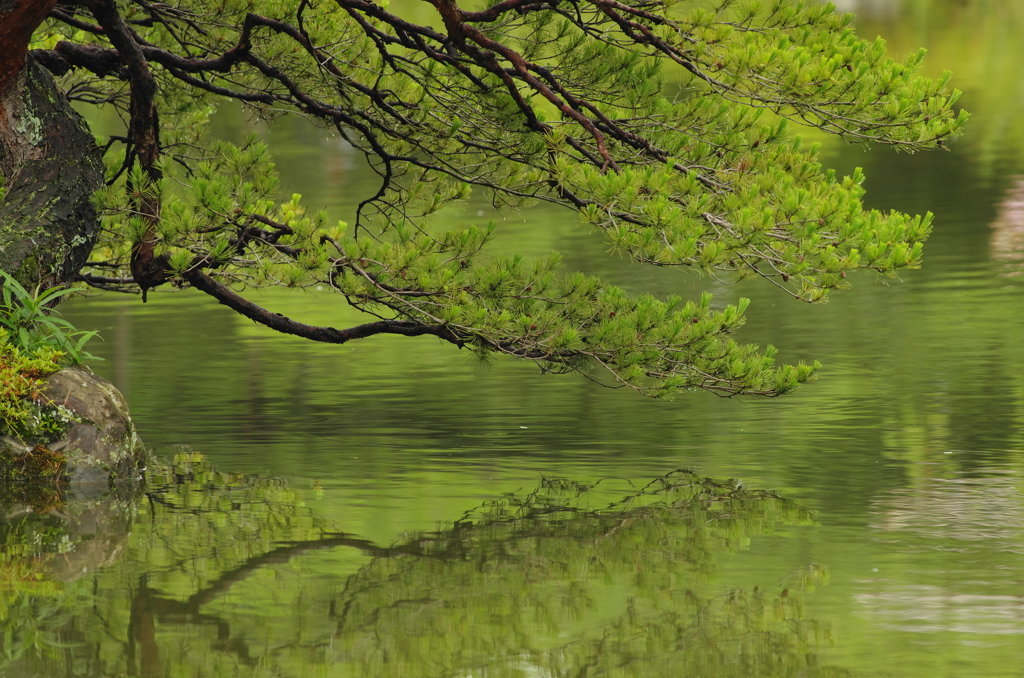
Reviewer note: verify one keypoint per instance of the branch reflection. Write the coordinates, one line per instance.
(234, 575)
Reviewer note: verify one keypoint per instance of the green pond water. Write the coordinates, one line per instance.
(394, 508)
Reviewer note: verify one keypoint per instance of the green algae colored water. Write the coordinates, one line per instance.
(394, 508)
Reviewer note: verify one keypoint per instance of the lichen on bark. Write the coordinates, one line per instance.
(50, 166)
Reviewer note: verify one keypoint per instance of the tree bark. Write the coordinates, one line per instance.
(18, 20)
(51, 166)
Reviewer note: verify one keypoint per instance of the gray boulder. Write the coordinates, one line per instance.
(103, 446)
(86, 420)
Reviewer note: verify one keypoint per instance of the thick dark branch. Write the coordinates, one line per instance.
(222, 63)
(108, 284)
(522, 68)
(378, 12)
(493, 12)
(144, 127)
(68, 55)
(328, 335)
(180, 67)
(144, 131)
(101, 61)
(250, 97)
(75, 22)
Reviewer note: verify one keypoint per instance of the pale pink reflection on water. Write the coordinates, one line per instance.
(966, 525)
(1007, 241)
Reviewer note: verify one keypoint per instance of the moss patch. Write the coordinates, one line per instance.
(41, 462)
(30, 473)
(21, 377)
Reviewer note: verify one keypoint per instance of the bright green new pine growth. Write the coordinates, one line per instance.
(665, 125)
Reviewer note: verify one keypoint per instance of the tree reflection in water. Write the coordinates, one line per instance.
(233, 576)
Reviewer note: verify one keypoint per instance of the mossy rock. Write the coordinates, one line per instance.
(83, 436)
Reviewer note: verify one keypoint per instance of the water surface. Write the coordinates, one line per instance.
(393, 507)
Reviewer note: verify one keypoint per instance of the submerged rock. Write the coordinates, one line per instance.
(82, 434)
(69, 538)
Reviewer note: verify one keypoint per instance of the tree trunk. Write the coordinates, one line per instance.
(18, 20)
(51, 166)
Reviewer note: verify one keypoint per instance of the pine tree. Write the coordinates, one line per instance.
(664, 124)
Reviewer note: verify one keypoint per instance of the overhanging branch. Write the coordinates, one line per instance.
(327, 335)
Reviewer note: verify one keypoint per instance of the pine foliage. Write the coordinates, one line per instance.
(665, 124)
